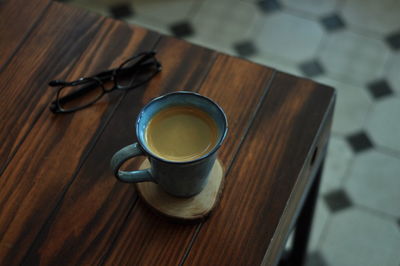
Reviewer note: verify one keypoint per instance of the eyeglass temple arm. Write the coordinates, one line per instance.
(81, 91)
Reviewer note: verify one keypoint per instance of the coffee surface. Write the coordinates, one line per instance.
(181, 133)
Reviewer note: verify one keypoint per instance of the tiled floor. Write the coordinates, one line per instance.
(352, 45)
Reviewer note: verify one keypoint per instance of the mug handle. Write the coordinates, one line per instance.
(132, 176)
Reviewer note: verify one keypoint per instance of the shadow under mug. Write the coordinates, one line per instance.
(181, 179)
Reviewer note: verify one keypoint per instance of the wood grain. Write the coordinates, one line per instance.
(16, 23)
(148, 240)
(95, 207)
(50, 52)
(45, 164)
(262, 179)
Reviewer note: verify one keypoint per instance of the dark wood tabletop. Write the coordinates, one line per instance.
(59, 201)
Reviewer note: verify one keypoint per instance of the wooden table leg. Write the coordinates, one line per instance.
(297, 254)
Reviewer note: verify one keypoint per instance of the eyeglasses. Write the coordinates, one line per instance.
(79, 94)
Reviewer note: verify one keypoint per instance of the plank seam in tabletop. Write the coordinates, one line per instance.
(26, 36)
(40, 112)
(81, 164)
(86, 154)
(106, 254)
(254, 115)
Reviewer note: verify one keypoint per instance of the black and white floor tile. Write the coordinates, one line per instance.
(352, 45)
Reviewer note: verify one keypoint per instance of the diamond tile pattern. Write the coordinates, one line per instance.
(311, 7)
(352, 106)
(393, 71)
(337, 200)
(353, 58)
(383, 124)
(393, 41)
(321, 218)
(148, 23)
(312, 68)
(315, 259)
(333, 22)
(245, 48)
(269, 5)
(359, 141)
(182, 29)
(379, 89)
(121, 11)
(163, 13)
(357, 237)
(374, 182)
(338, 161)
(381, 17)
(277, 62)
(292, 38)
(220, 24)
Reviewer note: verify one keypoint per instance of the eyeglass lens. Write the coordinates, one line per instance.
(80, 96)
(135, 72)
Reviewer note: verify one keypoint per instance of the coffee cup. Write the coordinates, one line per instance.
(180, 134)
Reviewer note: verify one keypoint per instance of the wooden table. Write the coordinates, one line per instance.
(59, 202)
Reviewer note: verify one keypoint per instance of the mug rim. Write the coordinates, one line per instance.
(159, 98)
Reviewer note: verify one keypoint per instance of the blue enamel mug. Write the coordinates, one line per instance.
(178, 178)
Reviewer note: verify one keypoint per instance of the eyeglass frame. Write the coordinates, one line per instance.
(98, 80)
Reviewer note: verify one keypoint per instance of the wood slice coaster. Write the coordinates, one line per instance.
(193, 208)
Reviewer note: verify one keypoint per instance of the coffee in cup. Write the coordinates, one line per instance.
(181, 133)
